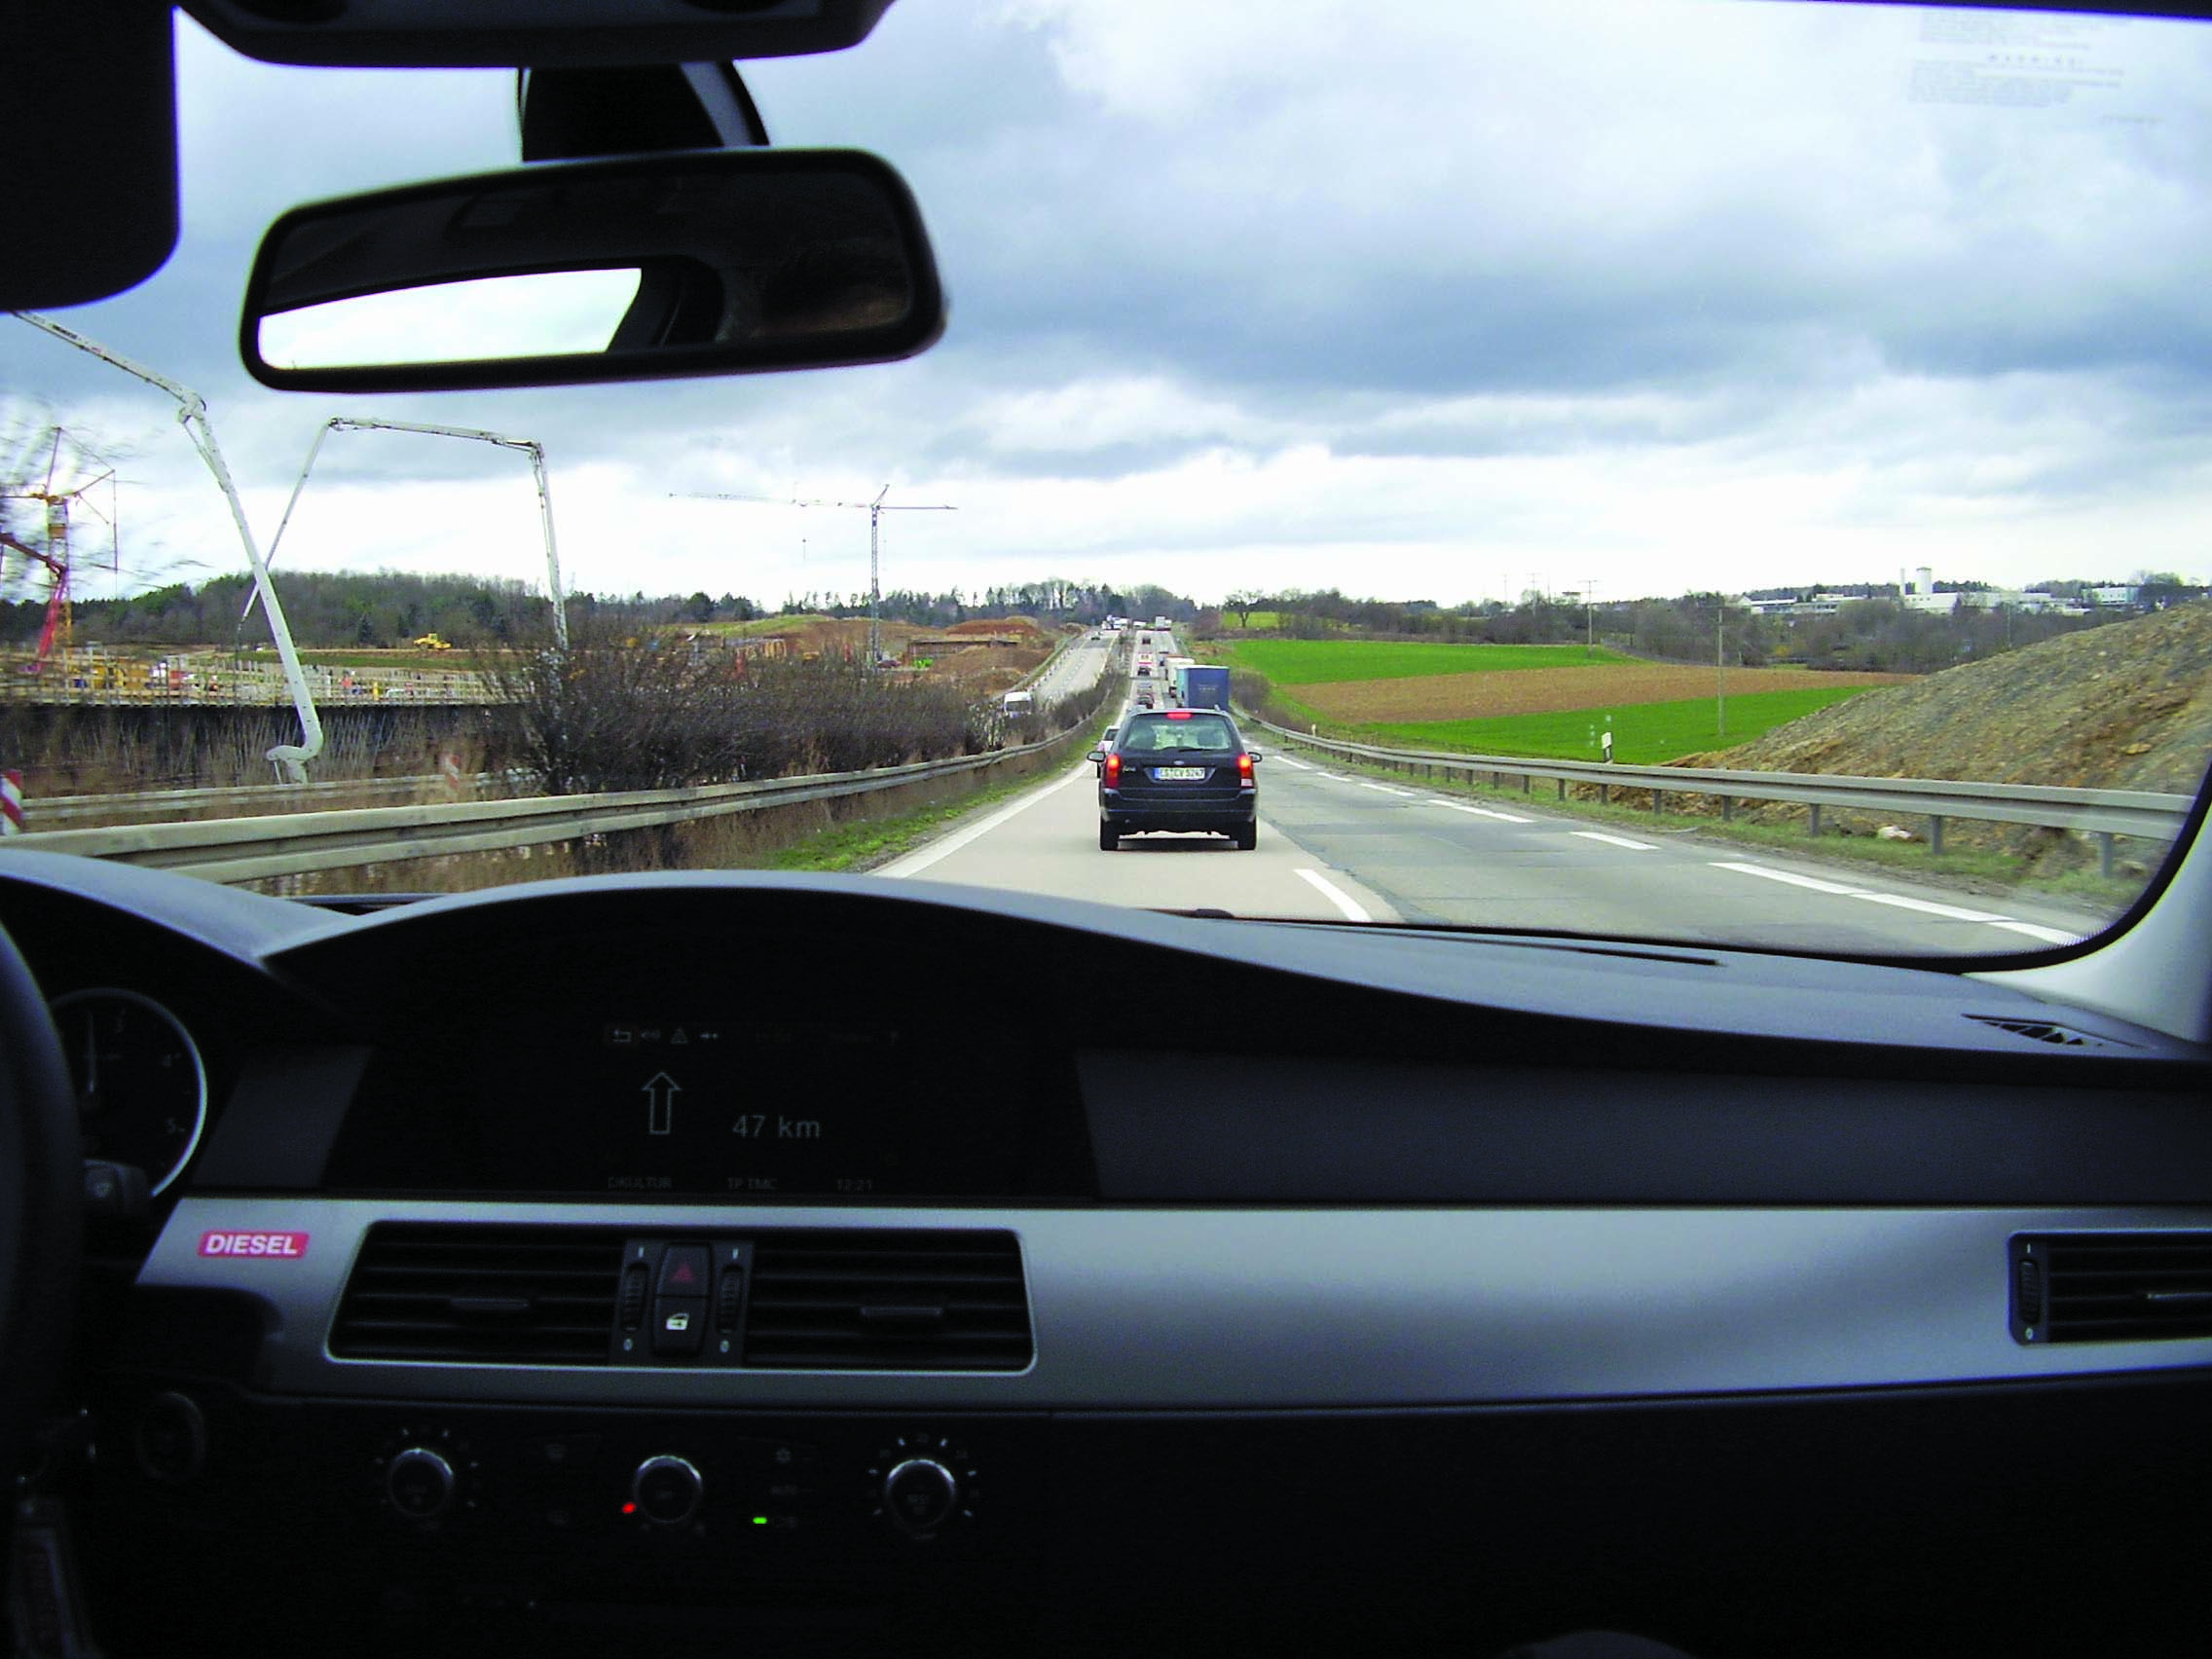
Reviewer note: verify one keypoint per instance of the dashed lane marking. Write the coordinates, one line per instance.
(1481, 811)
(1354, 910)
(2049, 936)
(1790, 877)
(1612, 841)
(1382, 789)
(1927, 907)
(1903, 901)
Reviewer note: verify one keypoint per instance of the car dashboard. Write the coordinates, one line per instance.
(824, 1264)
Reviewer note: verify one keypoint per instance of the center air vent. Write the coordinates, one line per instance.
(882, 1300)
(488, 1295)
(2092, 1287)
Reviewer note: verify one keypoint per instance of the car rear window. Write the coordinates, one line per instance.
(1197, 731)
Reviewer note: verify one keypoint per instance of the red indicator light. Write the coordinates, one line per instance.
(1245, 765)
(1113, 768)
(629, 1509)
(1178, 714)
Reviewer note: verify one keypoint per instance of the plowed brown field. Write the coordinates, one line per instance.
(1547, 690)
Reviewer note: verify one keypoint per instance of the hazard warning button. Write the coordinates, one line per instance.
(684, 1271)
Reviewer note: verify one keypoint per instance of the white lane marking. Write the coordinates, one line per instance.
(1479, 811)
(1898, 901)
(1612, 841)
(1383, 789)
(2049, 936)
(1817, 885)
(1351, 907)
(1282, 759)
(1950, 912)
(913, 864)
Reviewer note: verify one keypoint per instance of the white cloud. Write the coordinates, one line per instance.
(1412, 300)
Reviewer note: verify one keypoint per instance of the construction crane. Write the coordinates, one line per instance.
(527, 446)
(874, 510)
(56, 554)
(290, 758)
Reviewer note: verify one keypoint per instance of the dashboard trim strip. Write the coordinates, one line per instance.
(1160, 1308)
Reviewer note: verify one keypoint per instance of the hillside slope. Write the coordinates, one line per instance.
(2123, 707)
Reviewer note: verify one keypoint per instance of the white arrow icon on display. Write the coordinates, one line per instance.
(661, 1095)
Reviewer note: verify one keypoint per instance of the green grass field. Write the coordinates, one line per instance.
(1644, 733)
(759, 625)
(1310, 662)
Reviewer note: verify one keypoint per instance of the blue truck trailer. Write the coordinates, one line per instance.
(1205, 687)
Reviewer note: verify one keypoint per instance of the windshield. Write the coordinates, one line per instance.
(1647, 469)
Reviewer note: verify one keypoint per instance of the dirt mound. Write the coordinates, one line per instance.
(1549, 691)
(2128, 706)
(996, 625)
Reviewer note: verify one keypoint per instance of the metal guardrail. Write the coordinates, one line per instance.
(47, 812)
(2104, 813)
(255, 848)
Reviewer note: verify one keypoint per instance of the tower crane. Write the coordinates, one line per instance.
(56, 554)
(874, 510)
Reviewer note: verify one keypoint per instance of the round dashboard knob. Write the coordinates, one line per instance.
(419, 1483)
(667, 1489)
(920, 1494)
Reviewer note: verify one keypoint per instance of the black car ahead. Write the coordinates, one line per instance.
(1177, 769)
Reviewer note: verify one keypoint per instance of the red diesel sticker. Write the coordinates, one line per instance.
(253, 1243)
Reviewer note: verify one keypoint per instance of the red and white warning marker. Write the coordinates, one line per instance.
(11, 803)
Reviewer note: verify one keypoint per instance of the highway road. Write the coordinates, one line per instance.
(1077, 669)
(1341, 845)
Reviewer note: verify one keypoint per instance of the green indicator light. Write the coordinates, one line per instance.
(759, 1519)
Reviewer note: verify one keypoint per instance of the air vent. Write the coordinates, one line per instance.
(486, 1295)
(866, 1301)
(2108, 1287)
(2044, 1031)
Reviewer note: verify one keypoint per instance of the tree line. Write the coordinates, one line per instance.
(329, 610)
(1878, 633)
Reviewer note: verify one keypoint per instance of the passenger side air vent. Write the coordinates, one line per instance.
(858, 1300)
(487, 1295)
(2044, 1031)
(2108, 1287)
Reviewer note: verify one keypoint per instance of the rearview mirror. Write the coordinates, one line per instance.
(710, 262)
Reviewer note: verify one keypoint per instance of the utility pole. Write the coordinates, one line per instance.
(1719, 664)
(1590, 617)
(875, 510)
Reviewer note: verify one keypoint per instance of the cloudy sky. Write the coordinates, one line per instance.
(1438, 302)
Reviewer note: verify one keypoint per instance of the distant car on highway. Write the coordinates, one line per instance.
(1144, 699)
(1177, 769)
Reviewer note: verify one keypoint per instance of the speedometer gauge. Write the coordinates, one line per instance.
(141, 1084)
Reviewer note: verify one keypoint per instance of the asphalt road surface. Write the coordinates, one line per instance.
(1342, 846)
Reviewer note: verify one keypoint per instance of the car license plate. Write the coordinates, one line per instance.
(1179, 774)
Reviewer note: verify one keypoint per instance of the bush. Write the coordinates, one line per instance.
(612, 712)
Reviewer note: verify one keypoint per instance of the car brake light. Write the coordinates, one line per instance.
(1113, 768)
(1244, 767)
(1178, 714)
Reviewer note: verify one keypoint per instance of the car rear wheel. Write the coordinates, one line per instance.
(1248, 838)
(1108, 841)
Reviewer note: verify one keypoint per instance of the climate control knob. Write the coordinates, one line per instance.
(667, 1489)
(419, 1483)
(920, 1494)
